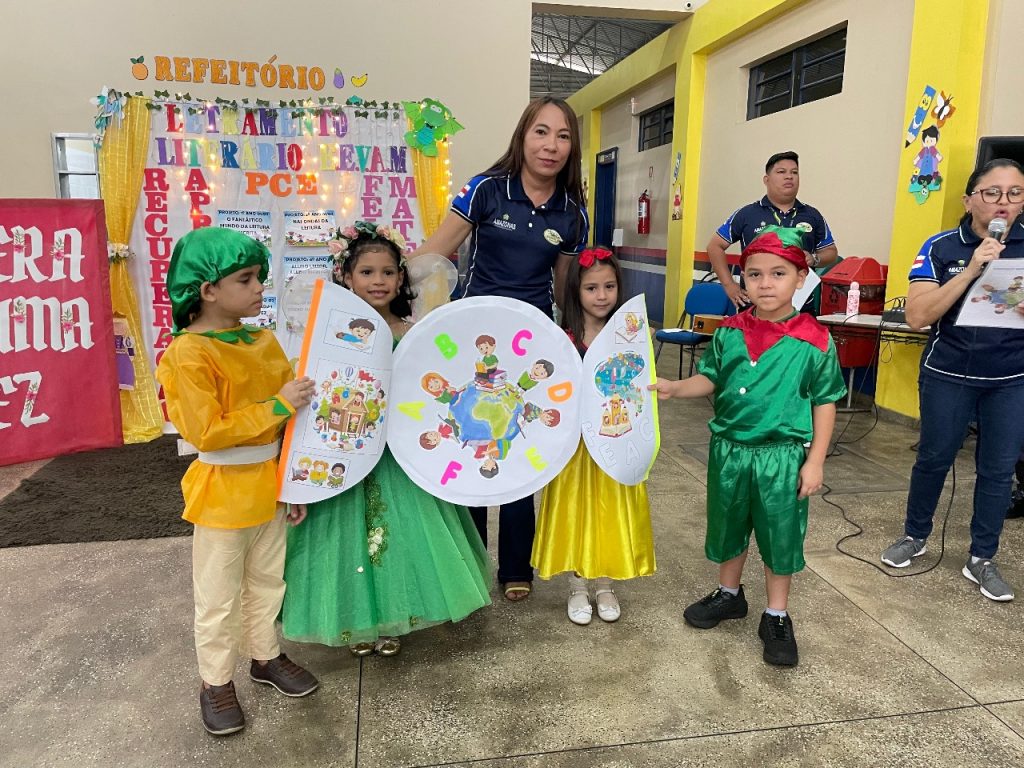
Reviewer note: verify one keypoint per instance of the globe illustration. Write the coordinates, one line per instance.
(488, 415)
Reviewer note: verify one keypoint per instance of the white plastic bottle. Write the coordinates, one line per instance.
(853, 299)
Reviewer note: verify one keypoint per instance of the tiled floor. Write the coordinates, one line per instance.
(919, 671)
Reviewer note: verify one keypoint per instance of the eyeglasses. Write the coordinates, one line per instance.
(995, 194)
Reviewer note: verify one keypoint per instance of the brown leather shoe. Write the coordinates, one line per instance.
(285, 675)
(222, 714)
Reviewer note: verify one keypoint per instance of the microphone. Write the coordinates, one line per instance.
(997, 228)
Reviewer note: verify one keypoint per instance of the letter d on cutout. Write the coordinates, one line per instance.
(559, 393)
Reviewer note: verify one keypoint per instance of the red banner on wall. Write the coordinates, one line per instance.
(58, 379)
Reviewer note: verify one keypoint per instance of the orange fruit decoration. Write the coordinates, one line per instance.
(139, 70)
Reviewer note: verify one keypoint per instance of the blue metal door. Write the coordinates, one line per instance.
(604, 197)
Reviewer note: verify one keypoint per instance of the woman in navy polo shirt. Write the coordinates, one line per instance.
(526, 218)
(967, 374)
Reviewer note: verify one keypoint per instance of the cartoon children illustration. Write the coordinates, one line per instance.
(1010, 297)
(318, 475)
(549, 417)
(359, 332)
(433, 437)
(927, 177)
(540, 370)
(300, 471)
(337, 476)
(437, 386)
(486, 345)
(320, 424)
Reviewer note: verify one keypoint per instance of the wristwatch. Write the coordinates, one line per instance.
(815, 259)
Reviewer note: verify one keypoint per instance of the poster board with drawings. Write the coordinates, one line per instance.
(334, 442)
(486, 409)
(619, 416)
(996, 299)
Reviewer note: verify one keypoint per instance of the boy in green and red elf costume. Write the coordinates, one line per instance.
(775, 377)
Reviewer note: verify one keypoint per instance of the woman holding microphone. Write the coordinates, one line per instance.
(967, 374)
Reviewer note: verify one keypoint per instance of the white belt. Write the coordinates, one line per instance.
(243, 454)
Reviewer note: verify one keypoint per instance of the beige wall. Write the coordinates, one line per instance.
(666, 10)
(849, 144)
(1002, 105)
(473, 55)
(620, 128)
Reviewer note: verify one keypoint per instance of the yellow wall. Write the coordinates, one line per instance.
(966, 47)
(470, 54)
(947, 51)
(686, 47)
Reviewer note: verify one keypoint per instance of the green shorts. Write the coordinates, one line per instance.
(754, 488)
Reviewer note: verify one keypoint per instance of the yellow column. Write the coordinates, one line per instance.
(947, 52)
(590, 150)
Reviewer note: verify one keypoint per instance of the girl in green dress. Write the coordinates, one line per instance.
(383, 558)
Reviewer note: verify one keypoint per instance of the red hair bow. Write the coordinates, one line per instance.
(591, 255)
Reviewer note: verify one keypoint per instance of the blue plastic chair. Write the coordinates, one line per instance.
(701, 299)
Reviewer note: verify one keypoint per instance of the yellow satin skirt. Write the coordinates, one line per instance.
(591, 524)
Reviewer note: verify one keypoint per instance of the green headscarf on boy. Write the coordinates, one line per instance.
(205, 256)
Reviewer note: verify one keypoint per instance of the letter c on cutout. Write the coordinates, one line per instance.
(523, 335)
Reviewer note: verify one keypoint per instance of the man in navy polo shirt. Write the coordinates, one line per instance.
(522, 241)
(778, 207)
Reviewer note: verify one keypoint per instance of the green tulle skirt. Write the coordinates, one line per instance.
(381, 559)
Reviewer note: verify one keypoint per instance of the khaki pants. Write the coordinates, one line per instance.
(238, 584)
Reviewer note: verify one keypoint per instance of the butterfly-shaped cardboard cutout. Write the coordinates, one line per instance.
(943, 109)
(619, 416)
(334, 442)
(480, 404)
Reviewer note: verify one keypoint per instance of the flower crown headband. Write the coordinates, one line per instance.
(344, 240)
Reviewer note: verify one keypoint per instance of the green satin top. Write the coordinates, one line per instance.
(770, 400)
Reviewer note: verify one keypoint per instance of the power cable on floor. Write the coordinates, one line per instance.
(860, 532)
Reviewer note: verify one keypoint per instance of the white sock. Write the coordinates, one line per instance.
(577, 583)
(730, 590)
(976, 560)
(774, 612)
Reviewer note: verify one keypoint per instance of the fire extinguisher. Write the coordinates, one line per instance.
(643, 214)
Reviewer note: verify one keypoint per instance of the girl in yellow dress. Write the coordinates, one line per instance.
(589, 524)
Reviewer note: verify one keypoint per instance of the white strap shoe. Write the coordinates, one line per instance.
(579, 608)
(607, 603)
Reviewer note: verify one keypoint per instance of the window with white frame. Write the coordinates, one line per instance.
(75, 166)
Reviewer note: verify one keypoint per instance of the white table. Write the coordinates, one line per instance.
(871, 326)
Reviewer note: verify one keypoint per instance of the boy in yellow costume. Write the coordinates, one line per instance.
(229, 391)
(775, 377)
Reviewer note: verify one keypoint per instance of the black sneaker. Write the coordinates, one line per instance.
(285, 675)
(779, 641)
(711, 609)
(1016, 508)
(221, 712)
